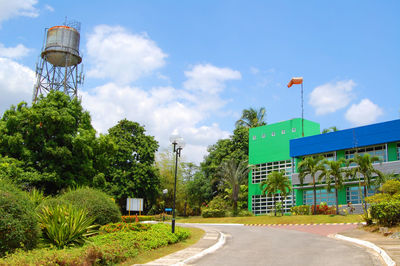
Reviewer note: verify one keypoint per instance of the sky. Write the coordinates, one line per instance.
(191, 67)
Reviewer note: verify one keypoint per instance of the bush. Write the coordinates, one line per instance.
(116, 227)
(216, 208)
(142, 218)
(98, 204)
(386, 213)
(301, 210)
(18, 223)
(391, 187)
(66, 225)
(244, 213)
(106, 249)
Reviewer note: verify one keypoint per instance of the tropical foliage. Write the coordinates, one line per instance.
(276, 183)
(252, 118)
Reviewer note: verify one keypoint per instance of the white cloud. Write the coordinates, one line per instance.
(209, 79)
(16, 83)
(330, 97)
(16, 52)
(115, 53)
(14, 8)
(364, 113)
(49, 8)
(254, 70)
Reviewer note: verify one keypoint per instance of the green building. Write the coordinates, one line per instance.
(269, 151)
(281, 146)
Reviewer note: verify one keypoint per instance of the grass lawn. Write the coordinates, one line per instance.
(295, 219)
(146, 256)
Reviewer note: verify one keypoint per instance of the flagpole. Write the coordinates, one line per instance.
(302, 111)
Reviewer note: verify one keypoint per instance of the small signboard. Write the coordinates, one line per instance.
(168, 209)
(134, 204)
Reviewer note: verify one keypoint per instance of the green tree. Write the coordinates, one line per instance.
(365, 172)
(199, 191)
(276, 183)
(331, 129)
(233, 175)
(311, 166)
(252, 118)
(235, 147)
(334, 174)
(132, 171)
(53, 139)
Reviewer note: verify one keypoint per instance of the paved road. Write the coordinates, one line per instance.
(279, 246)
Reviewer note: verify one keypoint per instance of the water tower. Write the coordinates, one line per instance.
(58, 66)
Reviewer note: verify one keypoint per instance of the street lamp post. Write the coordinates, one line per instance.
(178, 145)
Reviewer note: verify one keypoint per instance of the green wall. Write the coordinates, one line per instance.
(392, 151)
(264, 148)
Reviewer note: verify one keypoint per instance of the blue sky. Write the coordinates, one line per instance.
(192, 66)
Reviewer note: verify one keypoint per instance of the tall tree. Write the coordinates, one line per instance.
(53, 138)
(331, 129)
(233, 174)
(276, 183)
(334, 174)
(311, 166)
(366, 170)
(132, 171)
(252, 118)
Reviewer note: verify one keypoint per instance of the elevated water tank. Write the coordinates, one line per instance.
(62, 46)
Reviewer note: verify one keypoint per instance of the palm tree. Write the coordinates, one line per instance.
(334, 174)
(252, 118)
(365, 169)
(310, 166)
(331, 129)
(233, 174)
(276, 182)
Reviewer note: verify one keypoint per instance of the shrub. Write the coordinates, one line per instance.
(116, 227)
(142, 218)
(386, 213)
(243, 213)
(66, 225)
(301, 210)
(391, 187)
(18, 224)
(36, 196)
(98, 204)
(216, 208)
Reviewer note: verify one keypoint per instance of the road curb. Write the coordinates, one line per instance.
(302, 224)
(221, 241)
(386, 258)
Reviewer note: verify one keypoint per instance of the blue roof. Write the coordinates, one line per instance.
(346, 139)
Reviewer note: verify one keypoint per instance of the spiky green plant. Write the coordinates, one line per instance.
(65, 225)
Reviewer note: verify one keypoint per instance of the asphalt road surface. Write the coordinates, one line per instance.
(279, 246)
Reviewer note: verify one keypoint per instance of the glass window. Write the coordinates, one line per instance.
(264, 204)
(353, 194)
(330, 156)
(379, 151)
(283, 132)
(260, 172)
(398, 151)
(273, 134)
(322, 196)
(294, 129)
(254, 137)
(263, 136)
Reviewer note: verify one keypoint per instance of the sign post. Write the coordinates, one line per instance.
(134, 205)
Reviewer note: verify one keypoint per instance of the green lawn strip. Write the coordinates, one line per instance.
(296, 219)
(146, 256)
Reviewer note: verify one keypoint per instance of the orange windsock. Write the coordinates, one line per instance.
(297, 80)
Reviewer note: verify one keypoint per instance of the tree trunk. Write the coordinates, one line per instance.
(184, 209)
(274, 205)
(363, 198)
(337, 201)
(235, 207)
(315, 196)
(282, 205)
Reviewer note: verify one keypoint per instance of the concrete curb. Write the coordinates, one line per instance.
(213, 248)
(210, 224)
(387, 259)
(301, 224)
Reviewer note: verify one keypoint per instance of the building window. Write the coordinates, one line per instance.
(263, 136)
(322, 196)
(378, 151)
(294, 129)
(330, 156)
(353, 194)
(264, 204)
(254, 137)
(260, 172)
(283, 132)
(398, 151)
(273, 134)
